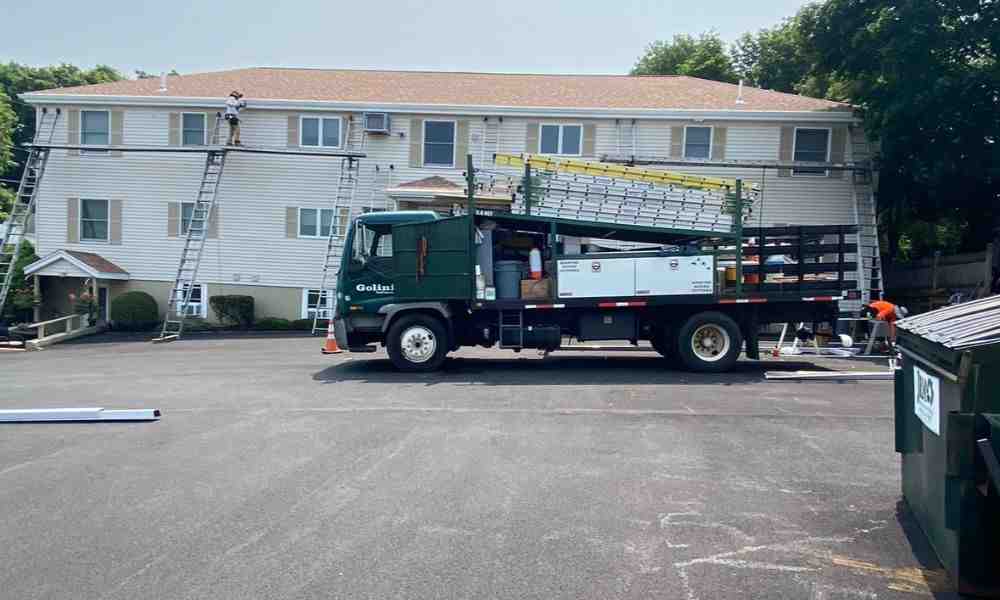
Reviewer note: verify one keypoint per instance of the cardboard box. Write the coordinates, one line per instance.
(536, 289)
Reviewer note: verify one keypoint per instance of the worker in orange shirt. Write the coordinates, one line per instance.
(882, 310)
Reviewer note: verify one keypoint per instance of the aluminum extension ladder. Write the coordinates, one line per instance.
(24, 202)
(194, 241)
(343, 209)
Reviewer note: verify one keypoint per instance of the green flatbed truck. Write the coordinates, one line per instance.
(408, 281)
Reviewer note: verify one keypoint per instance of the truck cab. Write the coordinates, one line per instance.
(365, 283)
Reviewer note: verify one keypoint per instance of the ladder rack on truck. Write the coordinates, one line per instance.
(695, 294)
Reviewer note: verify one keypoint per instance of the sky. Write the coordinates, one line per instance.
(537, 36)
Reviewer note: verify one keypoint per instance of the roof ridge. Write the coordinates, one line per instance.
(444, 72)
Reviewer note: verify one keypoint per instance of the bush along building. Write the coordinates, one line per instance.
(130, 168)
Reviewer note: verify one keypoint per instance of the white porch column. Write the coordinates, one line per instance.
(36, 311)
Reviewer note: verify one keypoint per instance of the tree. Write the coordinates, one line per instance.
(8, 122)
(780, 58)
(704, 56)
(16, 79)
(140, 74)
(21, 298)
(926, 76)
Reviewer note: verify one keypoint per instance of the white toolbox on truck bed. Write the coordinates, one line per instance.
(635, 275)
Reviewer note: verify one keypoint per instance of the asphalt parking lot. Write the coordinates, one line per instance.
(276, 472)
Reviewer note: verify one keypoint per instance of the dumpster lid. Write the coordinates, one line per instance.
(959, 327)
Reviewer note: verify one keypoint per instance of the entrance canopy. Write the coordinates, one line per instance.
(73, 263)
(438, 193)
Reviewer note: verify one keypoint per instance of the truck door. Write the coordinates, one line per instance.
(432, 260)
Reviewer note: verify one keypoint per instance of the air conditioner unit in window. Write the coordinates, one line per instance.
(377, 122)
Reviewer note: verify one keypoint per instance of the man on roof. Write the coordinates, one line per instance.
(234, 103)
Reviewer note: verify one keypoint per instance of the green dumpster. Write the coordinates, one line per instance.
(948, 431)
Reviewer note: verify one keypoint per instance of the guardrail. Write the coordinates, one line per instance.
(68, 319)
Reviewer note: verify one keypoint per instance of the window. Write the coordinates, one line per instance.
(698, 142)
(193, 129)
(197, 304)
(95, 127)
(320, 132)
(315, 222)
(187, 211)
(372, 243)
(560, 139)
(94, 220)
(811, 145)
(317, 299)
(439, 143)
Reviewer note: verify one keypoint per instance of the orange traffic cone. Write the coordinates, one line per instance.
(331, 347)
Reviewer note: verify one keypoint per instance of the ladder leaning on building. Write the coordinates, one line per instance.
(23, 208)
(194, 240)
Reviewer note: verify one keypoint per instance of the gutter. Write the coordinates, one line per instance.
(831, 116)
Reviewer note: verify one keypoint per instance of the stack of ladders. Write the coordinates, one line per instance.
(16, 226)
(581, 190)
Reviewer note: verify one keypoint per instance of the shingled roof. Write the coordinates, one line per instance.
(461, 89)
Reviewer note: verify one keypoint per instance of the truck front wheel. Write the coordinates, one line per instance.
(709, 342)
(417, 343)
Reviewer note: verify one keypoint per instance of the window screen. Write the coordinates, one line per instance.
(698, 142)
(94, 220)
(310, 132)
(193, 126)
(811, 145)
(331, 132)
(549, 143)
(94, 127)
(439, 143)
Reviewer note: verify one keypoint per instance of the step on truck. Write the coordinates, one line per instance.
(423, 285)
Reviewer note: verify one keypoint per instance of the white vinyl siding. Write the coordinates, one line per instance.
(697, 142)
(313, 299)
(811, 145)
(320, 131)
(439, 143)
(566, 140)
(193, 129)
(94, 220)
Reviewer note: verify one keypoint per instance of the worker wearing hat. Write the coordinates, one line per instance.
(882, 310)
(234, 103)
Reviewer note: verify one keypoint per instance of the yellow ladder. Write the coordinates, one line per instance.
(598, 169)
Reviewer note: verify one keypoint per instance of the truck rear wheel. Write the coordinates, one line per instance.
(709, 342)
(417, 343)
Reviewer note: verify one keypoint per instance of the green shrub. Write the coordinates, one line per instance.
(233, 310)
(273, 324)
(134, 311)
(306, 324)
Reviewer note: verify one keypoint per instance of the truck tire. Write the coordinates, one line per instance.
(417, 343)
(709, 342)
